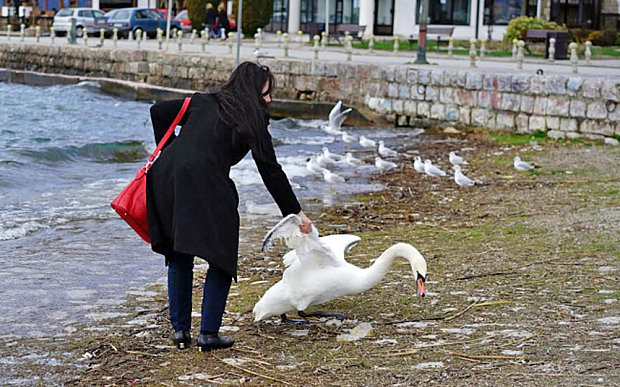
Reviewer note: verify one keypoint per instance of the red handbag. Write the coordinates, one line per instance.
(130, 204)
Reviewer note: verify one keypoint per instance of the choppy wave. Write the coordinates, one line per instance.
(111, 152)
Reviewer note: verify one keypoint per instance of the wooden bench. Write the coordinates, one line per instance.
(561, 41)
(439, 31)
(355, 30)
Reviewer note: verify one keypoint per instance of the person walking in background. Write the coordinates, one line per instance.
(222, 20)
(192, 202)
(210, 16)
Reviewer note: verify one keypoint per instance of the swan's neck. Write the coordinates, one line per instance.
(375, 273)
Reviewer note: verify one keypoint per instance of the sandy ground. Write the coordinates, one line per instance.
(522, 287)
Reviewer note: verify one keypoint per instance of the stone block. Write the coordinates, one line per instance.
(417, 92)
(432, 94)
(197, 73)
(461, 78)
(557, 106)
(573, 86)
(503, 82)
(391, 118)
(553, 123)
(424, 76)
(537, 123)
(577, 108)
(450, 78)
(556, 134)
(438, 112)
(402, 121)
(392, 90)
(527, 104)
(446, 95)
(573, 135)
(451, 113)
(436, 77)
(614, 115)
(403, 91)
(488, 82)
(343, 71)
(484, 99)
(496, 100)
(598, 127)
(610, 90)
(465, 115)
(331, 71)
(522, 123)
(412, 75)
(474, 81)
(424, 109)
(397, 106)
(465, 97)
(568, 124)
(376, 89)
(409, 108)
(505, 121)
(591, 88)
(540, 106)
(537, 85)
(556, 84)
(596, 110)
(510, 102)
(400, 74)
(305, 83)
(520, 83)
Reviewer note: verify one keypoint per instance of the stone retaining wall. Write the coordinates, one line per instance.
(564, 106)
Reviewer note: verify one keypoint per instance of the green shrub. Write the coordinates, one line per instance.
(256, 14)
(196, 13)
(603, 38)
(517, 28)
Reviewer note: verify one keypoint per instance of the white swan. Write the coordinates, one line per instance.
(316, 271)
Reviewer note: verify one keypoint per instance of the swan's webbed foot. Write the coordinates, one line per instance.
(338, 316)
(287, 320)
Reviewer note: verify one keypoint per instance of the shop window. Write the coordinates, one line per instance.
(453, 12)
(500, 12)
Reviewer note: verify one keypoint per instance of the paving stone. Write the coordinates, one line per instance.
(505, 121)
(503, 82)
(596, 110)
(432, 94)
(479, 117)
(484, 99)
(537, 85)
(577, 108)
(412, 75)
(520, 83)
(436, 77)
(557, 106)
(591, 88)
(527, 104)
(474, 81)
(556, 134)
(392, 90)
(510, 102)
(598, 127)
(556, 84)
(553, 123)
(573, 86)
(610, 90)
(446, 95)
(537, 123)
(568, 124)
(424, 76)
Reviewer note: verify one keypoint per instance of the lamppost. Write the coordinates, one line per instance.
(423, 19)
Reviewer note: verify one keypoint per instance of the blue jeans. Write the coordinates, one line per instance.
(180, 279)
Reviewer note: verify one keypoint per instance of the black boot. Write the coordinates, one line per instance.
(209, 341)
(182, 339)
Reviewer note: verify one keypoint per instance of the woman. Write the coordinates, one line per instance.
(192, 202)
(210, 16)
(222, 20)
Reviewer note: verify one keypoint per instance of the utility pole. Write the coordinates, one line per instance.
(423, 20)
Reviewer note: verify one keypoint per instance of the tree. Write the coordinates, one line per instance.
(196, 13)
(256, 14)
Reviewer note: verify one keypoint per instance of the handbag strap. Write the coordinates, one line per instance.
(163, 141)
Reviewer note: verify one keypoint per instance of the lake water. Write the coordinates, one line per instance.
(65, 152)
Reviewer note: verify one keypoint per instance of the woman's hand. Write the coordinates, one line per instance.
(306, 224)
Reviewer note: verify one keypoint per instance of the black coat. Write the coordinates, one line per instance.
(210, 16)
(191, 200)
(222, 20)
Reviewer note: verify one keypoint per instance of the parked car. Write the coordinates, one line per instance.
(183, 18)
(147, 20)
(91, 19)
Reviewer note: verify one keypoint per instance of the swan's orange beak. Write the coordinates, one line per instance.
(421, 288)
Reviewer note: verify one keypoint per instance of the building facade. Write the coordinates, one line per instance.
(481, 19)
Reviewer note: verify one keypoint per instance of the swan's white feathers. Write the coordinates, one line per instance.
(286, 229)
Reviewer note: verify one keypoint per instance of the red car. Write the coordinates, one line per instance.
(183, 18)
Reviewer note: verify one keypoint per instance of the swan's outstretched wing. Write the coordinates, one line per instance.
(340, 244)
(286, 229)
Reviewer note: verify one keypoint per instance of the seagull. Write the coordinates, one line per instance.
(432, 170)
(331, 158)
(383, 165)
(385, 151)
(348, 138)
(522, 166)
(321, 161)
(367, 143)
(331, 177)
(313, 166)
(350, 160)
(456, 160)
(262, 54)
(418, 164)
(461, 179)
(336, 117)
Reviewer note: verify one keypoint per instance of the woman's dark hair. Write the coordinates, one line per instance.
(241, 103)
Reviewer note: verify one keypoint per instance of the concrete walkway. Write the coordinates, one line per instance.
(608, 68)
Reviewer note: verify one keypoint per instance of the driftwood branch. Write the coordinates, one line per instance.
(487, 357)
(251, 372)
